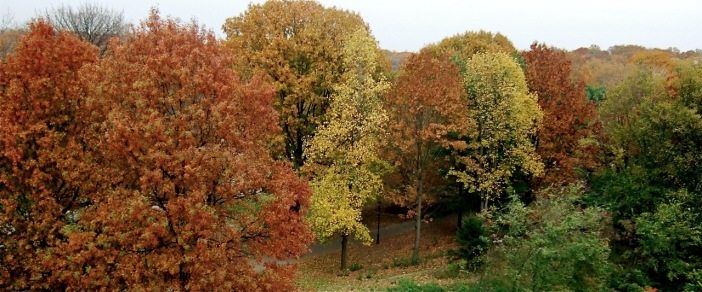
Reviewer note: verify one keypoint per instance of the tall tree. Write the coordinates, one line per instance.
(506, 116)
(425, 105)
(181, 192)
(567, 137)
(345, 158)
(299, 45)
(91, 22)
(40, 168)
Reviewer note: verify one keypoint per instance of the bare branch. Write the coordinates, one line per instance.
(91, 22)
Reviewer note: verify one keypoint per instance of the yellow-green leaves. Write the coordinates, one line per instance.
(506, 116)
(344, 153)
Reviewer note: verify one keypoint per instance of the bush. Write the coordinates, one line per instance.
(404, 262)
(355, 267)
(473, 241)
(406, 285)
(554, 244)
(452, 270)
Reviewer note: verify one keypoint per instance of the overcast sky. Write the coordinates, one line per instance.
(407, 25)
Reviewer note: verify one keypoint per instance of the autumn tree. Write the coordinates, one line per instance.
(506, 116)
(181, 192)
(461, 47)
(425, 105)
(42, 178)
(567, 137)
(91, 22)
(299, 45)
(345, 158)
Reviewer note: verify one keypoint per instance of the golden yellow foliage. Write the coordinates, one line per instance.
(506, 116)
(344, 154)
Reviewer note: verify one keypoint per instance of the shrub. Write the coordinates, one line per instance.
(554, 244)
(406, 285)
(473, 241)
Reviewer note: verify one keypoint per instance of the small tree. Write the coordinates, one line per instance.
(344, 154)
(425, 106)
(473, 241)
(91, 22)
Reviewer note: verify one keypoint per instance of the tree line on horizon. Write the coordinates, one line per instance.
(161, 157)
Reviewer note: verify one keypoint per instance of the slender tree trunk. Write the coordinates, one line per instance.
(377, 230)
(484, 204)
(344, 250)
(459, 216)
(418, 220)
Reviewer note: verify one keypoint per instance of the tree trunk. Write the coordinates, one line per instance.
(377, 230)
(344, 250)
(459, 216)
(484, 204)
(418, 221)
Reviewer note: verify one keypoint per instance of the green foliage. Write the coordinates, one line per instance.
(404, 262)
(355, 267)
(595, 93)
(655, 174)
(473, 241)
(554, 244)
(671, 239)
(406, 285)
(452, 270)
(691, 86)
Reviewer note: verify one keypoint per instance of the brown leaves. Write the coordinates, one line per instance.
(425, 105)
(569, 118)
(39, 177)
(149, 169)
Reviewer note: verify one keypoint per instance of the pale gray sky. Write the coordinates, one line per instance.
(410, 24)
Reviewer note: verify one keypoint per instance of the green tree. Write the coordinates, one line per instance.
(506, 117)
(671, 240)
(654, 139)
(554, 244)
(347, 170)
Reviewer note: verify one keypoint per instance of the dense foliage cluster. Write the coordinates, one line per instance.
(163, 158)
(148, 168)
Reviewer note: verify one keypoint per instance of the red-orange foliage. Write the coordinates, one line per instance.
(569, 118)
(424, 106)
(39, 175)
(181, 191)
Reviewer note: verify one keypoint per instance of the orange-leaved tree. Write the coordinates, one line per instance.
(567, 138)
(40, 167)
(425, 105)
(181, 192)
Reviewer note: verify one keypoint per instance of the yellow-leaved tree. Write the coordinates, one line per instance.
(506, 117)
(298, 44)
(343, 156)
